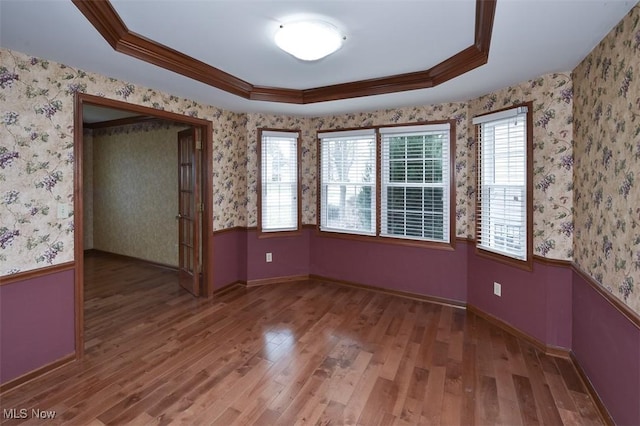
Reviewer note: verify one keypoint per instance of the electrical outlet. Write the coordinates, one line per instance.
(63, 210)
(497, 289)
(269, 257)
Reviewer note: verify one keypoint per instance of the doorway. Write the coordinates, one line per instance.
(203, 130)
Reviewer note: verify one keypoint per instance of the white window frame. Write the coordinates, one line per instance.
(386, 135)
(364, 143)
(503, 178)
(287, 217)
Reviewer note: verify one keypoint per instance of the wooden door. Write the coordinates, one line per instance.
(190, 208)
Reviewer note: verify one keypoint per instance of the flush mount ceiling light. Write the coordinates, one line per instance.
(309, 40)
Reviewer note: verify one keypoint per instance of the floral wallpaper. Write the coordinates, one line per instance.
(607, 161)
(135, 190)
(229, 169)
(36, 155)
(553, 156)
(37, 102)
(552, 97)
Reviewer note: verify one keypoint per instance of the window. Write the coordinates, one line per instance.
(348, 181)
(279, 203)
(416, 182)
(504, 164)
(392, 182)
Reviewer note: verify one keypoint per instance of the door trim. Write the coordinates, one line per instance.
(206, 127)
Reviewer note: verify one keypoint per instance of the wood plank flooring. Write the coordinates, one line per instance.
(293, 353)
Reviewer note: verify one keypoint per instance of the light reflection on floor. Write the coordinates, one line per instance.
(279, 337)
(277, 342)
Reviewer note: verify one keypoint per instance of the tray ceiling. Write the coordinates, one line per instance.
(529, 38)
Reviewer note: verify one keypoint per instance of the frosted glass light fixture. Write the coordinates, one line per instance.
(309, 40)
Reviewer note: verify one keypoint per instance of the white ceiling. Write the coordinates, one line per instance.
(530, 38)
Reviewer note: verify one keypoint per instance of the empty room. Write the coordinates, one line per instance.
(343, 212)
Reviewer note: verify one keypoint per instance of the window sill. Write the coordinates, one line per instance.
(279, 234)
(388, 240)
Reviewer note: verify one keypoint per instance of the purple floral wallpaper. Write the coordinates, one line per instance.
(607, 161)
(552, 97)
(553, 153)
(36, 155)
(229, 169)
(36, 161)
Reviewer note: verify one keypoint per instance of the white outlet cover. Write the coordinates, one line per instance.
(269, 257)
(497, 289)
(63, 210)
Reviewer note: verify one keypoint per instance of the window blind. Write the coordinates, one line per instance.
(348, 181)
(279, 181)
(502, 183)
(415, 193)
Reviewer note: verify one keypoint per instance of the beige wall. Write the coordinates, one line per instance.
(135, 191)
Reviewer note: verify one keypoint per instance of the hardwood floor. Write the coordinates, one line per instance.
(293, 353)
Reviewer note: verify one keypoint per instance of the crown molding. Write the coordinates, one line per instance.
(105, 19)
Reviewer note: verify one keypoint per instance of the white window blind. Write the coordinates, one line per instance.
(502, 182)
(415, 193)
(279, 181)
(348, 181)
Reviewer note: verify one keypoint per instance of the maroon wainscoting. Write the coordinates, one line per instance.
(607, 346)
(424, 271)
(290, 255)
(229, 257)
(36, 323)
(536, 302)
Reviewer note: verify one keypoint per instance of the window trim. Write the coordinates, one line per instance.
(527, 263)
(378, 238)
(280, 233)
